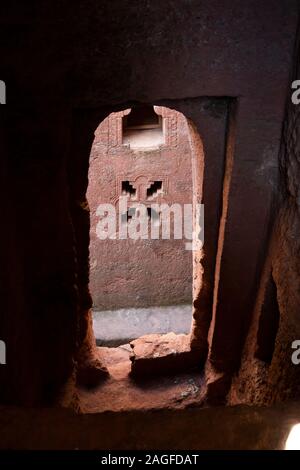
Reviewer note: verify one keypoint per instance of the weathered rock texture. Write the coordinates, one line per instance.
(268, 353)
(139, 273)
(162, 354)
(227, 67)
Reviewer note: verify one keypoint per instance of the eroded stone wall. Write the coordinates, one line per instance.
(276, 377)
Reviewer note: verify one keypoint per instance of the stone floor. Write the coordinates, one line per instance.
(116, 327)
(226, 428)
(120, 392)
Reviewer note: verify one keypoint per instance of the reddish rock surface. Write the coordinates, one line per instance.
(121, 392)
(163, 354)
(139, 273)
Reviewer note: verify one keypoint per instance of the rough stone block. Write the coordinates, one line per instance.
(163, 354)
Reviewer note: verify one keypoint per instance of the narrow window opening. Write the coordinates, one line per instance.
(142, 117)
(154, 190)
(128, 189)
(143, 128)
(142, 288)
(139, 281)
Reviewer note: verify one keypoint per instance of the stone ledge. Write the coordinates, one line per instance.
(163, 354)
